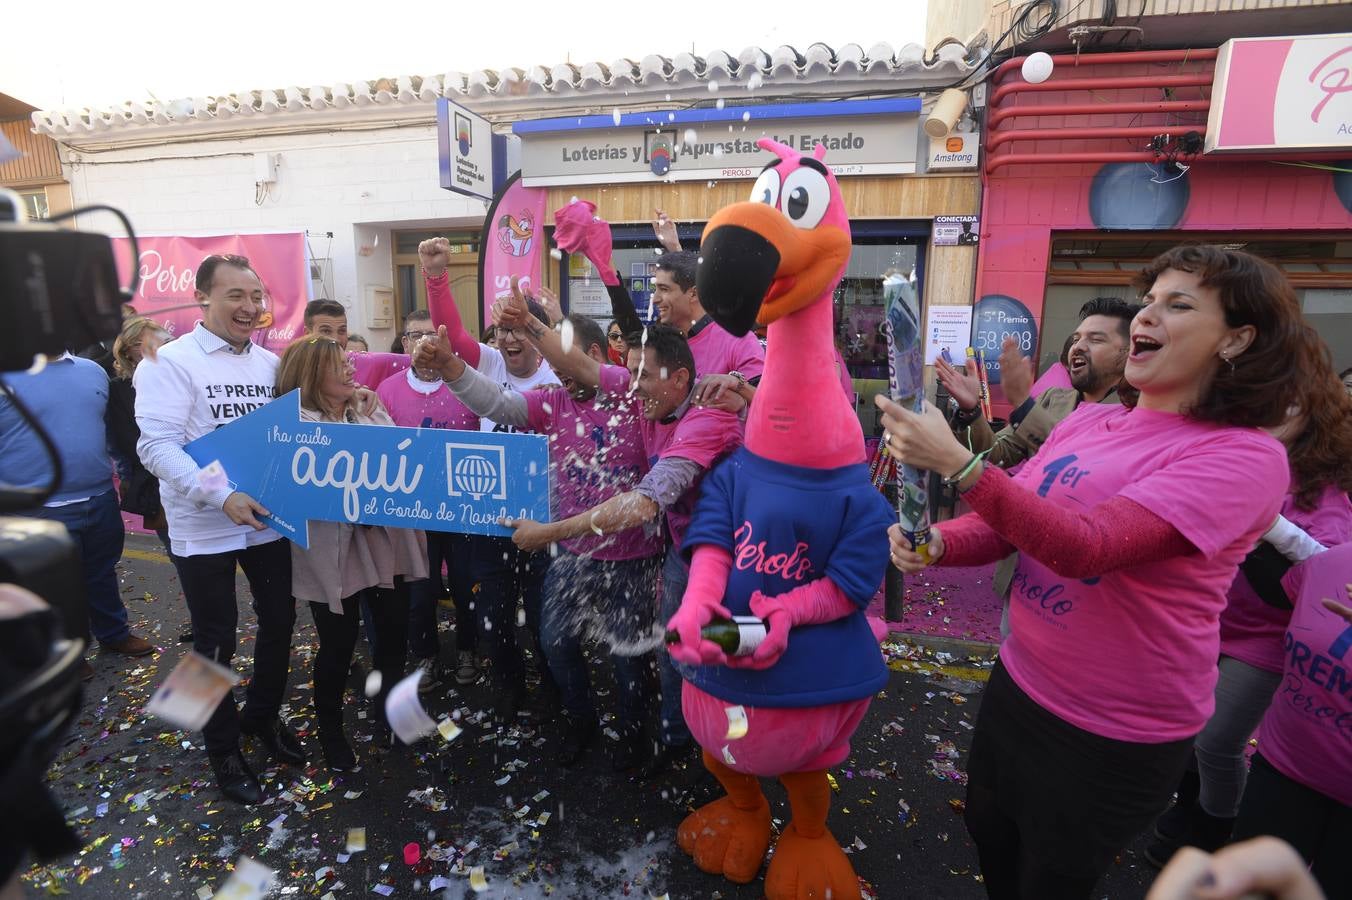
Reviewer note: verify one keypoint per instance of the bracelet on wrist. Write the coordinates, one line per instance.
(980, 470)
(965, 417)
(965, 470)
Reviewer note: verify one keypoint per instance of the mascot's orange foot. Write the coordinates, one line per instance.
(805, 868)
(728, 841)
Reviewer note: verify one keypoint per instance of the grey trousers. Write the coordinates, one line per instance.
(1243, 693)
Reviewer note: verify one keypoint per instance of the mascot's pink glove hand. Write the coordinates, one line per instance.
(708, 580)
(694, 650)
(808, 604)
(578, 229)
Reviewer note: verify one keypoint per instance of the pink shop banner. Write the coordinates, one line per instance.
(1292, 93)
(511, 243)
(169, 273)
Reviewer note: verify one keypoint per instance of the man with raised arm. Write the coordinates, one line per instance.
(505, 573)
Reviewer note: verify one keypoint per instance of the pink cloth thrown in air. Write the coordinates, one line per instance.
(578, 230)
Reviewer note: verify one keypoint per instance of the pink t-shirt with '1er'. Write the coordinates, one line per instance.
(1251, 630)
(595, 453)
(1307, 732)
(424, 405)
(1131, 655)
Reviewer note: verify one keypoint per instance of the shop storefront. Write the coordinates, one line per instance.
(1119, 156)
(691, 163)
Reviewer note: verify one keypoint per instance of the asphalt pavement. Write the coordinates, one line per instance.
(141, 794)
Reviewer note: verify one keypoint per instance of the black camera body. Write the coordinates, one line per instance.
(59, 290)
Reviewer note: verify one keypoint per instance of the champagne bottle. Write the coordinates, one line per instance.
(738, 636)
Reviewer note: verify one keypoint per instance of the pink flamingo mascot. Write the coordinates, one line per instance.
(788, 529)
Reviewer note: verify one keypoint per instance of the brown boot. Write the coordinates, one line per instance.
(131, 645)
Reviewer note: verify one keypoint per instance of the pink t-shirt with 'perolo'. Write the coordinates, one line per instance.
(1251, 630)
(1131, 655)
(1307, 732)
(595, 453)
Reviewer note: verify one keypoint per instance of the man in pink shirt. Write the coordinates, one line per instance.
(418, 398)
(736, 363)
(682, 442)
(601, 584)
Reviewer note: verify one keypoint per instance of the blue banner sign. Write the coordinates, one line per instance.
(425, 478)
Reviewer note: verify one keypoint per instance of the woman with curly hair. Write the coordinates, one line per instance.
(1130, 524)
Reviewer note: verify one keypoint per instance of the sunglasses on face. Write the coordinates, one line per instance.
(615, 336)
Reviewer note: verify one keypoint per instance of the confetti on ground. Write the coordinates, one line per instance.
(356, 840)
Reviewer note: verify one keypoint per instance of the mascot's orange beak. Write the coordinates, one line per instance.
(755, 265)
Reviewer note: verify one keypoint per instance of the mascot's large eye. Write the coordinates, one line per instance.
(766, 188)
(806, 197)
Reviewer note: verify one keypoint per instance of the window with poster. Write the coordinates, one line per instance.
(880, 248)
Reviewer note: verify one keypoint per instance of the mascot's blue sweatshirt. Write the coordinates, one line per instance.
(786, 526)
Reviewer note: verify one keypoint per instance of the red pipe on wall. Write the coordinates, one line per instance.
(1136, 56)
(1091, 109)
(1010, 159)
(1089, 134)
(1093, 84)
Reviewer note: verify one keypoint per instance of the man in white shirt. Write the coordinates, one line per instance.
(208, 378)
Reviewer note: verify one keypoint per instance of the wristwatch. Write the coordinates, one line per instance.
(741, 380)
(963, 418)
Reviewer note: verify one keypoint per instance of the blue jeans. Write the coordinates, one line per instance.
(614, 602)
(675, 576)
(96, 528)
(455, 550)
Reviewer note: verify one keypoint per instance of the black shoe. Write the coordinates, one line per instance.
(666, 756)
(185, 636)
(633, 750)
(382, 738)
(337, 752)
(1177, 820)
(514, 708)
(235, 779)
(578, 735)
(281, 742)
(1204, 831)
